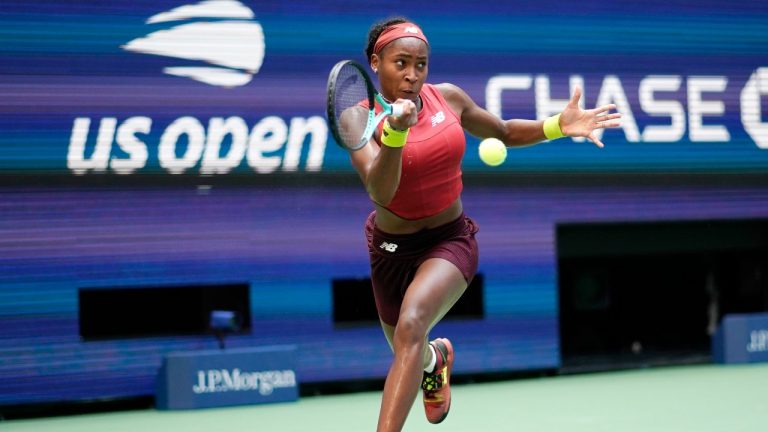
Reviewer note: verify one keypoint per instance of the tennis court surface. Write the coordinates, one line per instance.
(700, 398)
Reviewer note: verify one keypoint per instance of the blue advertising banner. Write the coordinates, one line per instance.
(235, 89)
(214, 378)
(226, 86)
(741, 338)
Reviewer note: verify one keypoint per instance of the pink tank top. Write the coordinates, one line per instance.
(431, 173)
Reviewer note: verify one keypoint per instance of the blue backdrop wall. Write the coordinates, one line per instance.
(126, 127)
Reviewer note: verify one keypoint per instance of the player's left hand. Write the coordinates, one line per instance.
(576, 122)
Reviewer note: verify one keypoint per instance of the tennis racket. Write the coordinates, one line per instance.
(351, 106)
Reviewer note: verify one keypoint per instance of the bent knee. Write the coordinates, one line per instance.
(412, 327)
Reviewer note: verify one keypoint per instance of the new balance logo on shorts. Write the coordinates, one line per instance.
(389, 247)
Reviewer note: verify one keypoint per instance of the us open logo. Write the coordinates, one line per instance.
(221, 34)
(218, 43)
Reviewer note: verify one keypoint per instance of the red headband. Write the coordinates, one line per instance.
(398, 31)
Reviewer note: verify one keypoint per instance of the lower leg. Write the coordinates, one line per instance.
(403, 383)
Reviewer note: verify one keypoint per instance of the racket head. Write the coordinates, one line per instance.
(350, 104)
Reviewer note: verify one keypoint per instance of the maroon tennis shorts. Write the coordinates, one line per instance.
(396, 257)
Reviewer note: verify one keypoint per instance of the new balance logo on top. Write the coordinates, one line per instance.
(389, 247)
(437, 118)
(411, 29)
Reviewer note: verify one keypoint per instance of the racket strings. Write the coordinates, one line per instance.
(351, 90)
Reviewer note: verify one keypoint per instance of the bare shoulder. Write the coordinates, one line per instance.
(455, 96)
(450, 91)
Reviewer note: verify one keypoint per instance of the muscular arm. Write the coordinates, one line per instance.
(380, 167)
(481, 123)
(573, 121)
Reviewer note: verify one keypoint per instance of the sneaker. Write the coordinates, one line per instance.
(436, 385)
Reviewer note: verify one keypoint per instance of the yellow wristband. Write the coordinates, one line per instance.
(391, 137)
(552, 128)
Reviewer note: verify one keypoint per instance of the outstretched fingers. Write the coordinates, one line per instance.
(604, 121)
(576, 96)
(595, 140)
(605, 117)
(604, 125)
(603, 109)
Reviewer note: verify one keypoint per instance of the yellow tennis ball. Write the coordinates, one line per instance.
(492, 151)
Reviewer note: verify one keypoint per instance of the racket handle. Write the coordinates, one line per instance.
(397, 110)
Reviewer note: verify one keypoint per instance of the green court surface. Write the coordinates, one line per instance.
(702, 398)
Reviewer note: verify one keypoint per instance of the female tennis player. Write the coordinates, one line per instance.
(422, 247)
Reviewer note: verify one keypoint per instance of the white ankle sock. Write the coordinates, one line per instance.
(433, 362)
